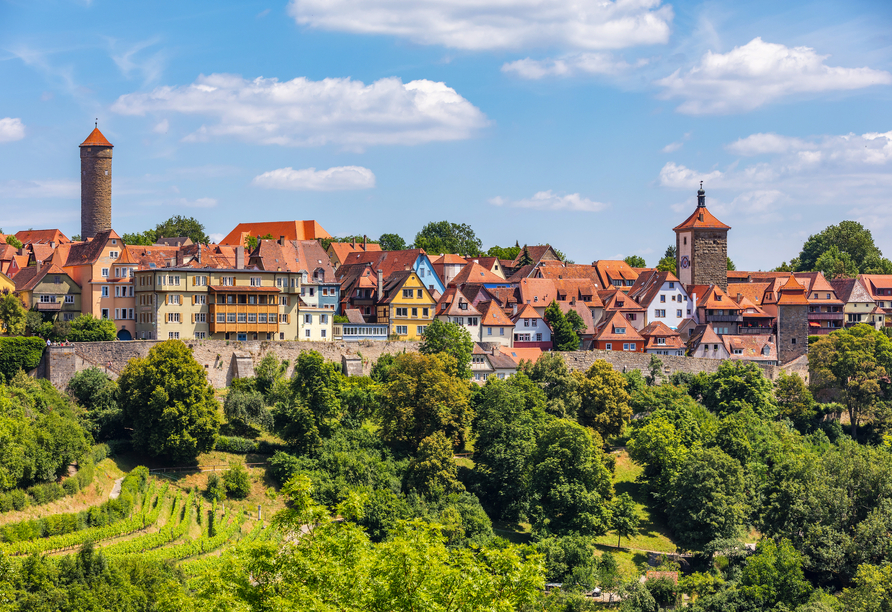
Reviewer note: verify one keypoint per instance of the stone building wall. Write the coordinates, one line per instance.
(96, 178)
(792, 332)
(224, 360)
(709, 261)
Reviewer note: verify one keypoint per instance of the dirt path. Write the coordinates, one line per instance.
(116, 490)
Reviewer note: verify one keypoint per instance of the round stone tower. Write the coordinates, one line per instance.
(96, 180)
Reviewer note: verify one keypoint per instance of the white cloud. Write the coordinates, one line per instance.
(11, 129)
(161, 127)
(852, 173)
(757, 73)
(40, 189)
(675, 146)
(301, 112)
(546, 200)
(575, 64)
(216, 238)
(495, 24)
(334, 179)
(132, 60)
(197, 203)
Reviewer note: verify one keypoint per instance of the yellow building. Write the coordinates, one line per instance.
(6, 284)
(407, 306)
(224, 304)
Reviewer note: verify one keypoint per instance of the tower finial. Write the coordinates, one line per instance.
(701, 197)
(96, 125)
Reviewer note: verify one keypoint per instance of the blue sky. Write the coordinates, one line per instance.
(587, 125)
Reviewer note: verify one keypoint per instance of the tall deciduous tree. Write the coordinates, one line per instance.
(774, 576)
(451, 339)
(849, 237)
(550, 373)
(508, 253)
(432, 471)
(87, 328)
(445, 237)
(569, 482)
(852, 364)
(421, 397)
(168, 400)
(12, 314)
(736, 385)
(624, 519)
(604, 402)
(392, 242)
(635, 261)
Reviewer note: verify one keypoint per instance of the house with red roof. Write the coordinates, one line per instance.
(493, 264)
(879, 287)
(662, 296)
(616, 300)
(490, 362)
(339, 251)
(859, 307)
(616, 333)
(615, 274)
(495, 326)
(397, 261)
(825, 310)
(279, 230)
(49, 290)
(531, 330)
(705, 343)
(455, 307)
(661, 340)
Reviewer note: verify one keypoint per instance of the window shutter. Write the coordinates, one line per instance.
(193, 317)
(165, 299)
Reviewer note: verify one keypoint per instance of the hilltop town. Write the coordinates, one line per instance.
(291, 281)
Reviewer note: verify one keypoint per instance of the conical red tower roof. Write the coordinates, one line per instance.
(96, 139)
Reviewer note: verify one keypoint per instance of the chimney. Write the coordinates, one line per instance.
(365, 242)
(239, 258)
(380, 284)
(282, 240)
(515, 307)
(39, 265)
(694, 308)
(199, 252)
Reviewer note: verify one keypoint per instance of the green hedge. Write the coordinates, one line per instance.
(19, 353)
(231, 444)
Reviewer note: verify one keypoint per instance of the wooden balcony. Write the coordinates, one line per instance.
(243, 313)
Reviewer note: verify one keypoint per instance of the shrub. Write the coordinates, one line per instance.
(46, 493)
(215, 489)
(71, 486)
(282, 467)
(19, 354)
(237, 481)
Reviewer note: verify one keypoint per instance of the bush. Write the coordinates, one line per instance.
(71, 486)
(14, 500)
(282, 467)
(19, 354)
(215, 489)
(237, 481)
(46, 493)
(243, 446)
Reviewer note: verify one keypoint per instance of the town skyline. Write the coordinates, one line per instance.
(528, 138)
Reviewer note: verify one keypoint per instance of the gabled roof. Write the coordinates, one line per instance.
(754, 347)
(474, 273)
(496, 358)
(537, 253)
(522, 273)
(584, 313)
(527, 312)
(354, 315)
(96, 139)
(708, 336)
(712, 297)
(754, 292)
(648, 285)
(493, 316)
(386, 261)
(701, 218)
(537, 291)
(152, 257)
(617, 300)
(607, 331)
(522, 354)
(658, 329)
(578, 290)
(30, 277)
(792, 293)
(342, 249)
(176, 241)
(448, 304)
(43, 236)
(851, 290)
(125, 257)
(85, 253)
(749, 309)
(450, 259)
(293, 256)
(614, 269)
(506, 296)
(394, 282)
(571, 271)
(291, 230)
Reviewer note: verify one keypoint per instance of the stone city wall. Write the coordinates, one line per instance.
(224, 360)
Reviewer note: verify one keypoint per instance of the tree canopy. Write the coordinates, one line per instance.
(635, 261)
(392, 242)
(444, 237)
(842, 250)
(508, 253)
(174, 227)
(451, 339)
(562, 333)
(87, 328)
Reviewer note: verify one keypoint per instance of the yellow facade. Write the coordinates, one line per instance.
(409, 310)
(6, 283)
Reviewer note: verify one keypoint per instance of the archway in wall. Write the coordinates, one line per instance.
(124, 335)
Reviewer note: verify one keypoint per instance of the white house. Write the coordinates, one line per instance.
(663, 297)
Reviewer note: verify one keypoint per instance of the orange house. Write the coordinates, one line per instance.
(617, 334)
(104, 270)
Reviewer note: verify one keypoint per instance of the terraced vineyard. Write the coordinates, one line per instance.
(164, 523)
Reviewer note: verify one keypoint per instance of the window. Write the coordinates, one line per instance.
(114, 254)
(619, 330)
(173, 280)
(200, 335)
(201, 299)
(281, 282)
(737, 351)
(414, 313)
(104, 273)
(420, 292)
(230, 317)
(308, 319)
(323, 332)
(175, 299)
(283, 300)
(678, 313)
(461, 305)
(402, 312)
(200, 280)
(828, 296)
(662, 297)
(407, 293)
(672, 285)
(252, 317)
(626, 347)
(425, 312)
(69, 299)
(173, 317)
(323, 318)
(221, 317)
(114, 240)
(488, 331)
(538, 337)
(261, 318)
(420, 329)
(660, 314)
(632, 316)
(173, 335)
(255, 281)
(472, 321)
(535, 323)
(283, 318)
(105, 313)
(104, 292)
(402, 330)
(227, 281)
(242, 317)
(609, 346)
(661, 341)
(501, 331)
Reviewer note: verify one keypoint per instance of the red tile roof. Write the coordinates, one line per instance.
(648, 285)
(522, 354)
(84, 253)
(792, 293)
(571, 271)
(44, 236)
(450, 304)
(291, 230)
(671, 338)
(701, 218)
(754, 292)
(342, 249)
(537, 291)
(536, 252)
(474, 273)
(96, 139)
(607, 331)
(527, 312)
(494, 317)
(386, 261)
(754, 347)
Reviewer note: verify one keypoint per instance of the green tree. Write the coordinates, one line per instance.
(269, 374)
(852, 364)
(604, 403)
(576, 321)
(509, 253)
(661, 442)
(317, 384)
(245, 410)
(182, 226)
(12, 314)
(421, 397)
(835, 264)
(97, 393)
(445, 237)
(730, 264)
(849, 237)
(392, 242)
(525, 258)
(774, 576)
(14, 242)
(509, 416)
(562, 334)
(786, 267)
(237, 481)
(432, 471)
(871, 590)
(146, 238)
(168, 400)
(794, 400)
(709, 499)
(87, 328)
(635, 261)
(736, 385)
(451, 339)
(569, 483)
(667, 264)
(624, 518)
(654, 370)
(550, 373)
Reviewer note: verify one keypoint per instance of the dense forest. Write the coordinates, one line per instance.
(413, 489)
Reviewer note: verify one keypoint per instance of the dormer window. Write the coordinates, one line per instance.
(661, 341)
(718, 298)
(619, 330)
(536, 298)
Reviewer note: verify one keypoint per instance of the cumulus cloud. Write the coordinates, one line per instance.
(546, 200)
(11, 129)
(758, 73)
(832, 170)
(40, 189)
(340, 178)
(576, 64)
(495, 24)
(301, 112)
